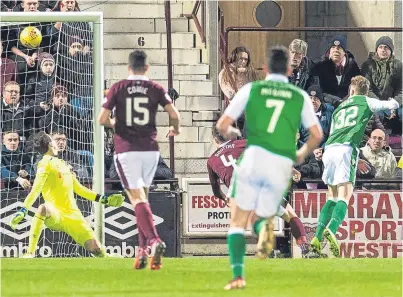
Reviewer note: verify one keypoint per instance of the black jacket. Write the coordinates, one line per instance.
(326, 71)
(14, 161)
(302, 77)
(18, 119)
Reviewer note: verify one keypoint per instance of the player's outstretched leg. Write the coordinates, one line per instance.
(36, 229)
(99, 251)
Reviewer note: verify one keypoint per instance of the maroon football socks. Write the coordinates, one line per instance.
(298, 231)
(145, 222)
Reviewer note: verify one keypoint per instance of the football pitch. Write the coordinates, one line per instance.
(200, 276)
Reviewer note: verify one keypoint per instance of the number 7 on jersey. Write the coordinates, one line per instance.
(278, 107)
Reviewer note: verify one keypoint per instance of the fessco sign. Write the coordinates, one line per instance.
(372, 228)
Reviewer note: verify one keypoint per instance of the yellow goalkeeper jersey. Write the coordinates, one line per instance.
(57, 184)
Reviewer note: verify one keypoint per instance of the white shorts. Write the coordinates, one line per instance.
(260, 180)
(136, 169)
(340, 164)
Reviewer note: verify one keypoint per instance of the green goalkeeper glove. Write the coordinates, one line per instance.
(18, 217)
(115, 200)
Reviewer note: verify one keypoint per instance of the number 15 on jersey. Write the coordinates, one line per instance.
(137, 105)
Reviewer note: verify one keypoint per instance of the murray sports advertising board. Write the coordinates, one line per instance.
(372, 227)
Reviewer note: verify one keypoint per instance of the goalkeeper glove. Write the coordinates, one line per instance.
(18, 217)
(115, 200)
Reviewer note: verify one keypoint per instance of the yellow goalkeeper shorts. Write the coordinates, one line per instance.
(72, 223)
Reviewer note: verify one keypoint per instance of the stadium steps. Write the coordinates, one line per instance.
(140, 24)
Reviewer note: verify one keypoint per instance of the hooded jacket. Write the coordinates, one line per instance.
(385, 77)
(384, 162)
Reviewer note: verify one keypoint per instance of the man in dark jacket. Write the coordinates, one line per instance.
(16, 166)
(14, 115)
(301, 66)
(324, 113)
(384, 73)
(336, 70)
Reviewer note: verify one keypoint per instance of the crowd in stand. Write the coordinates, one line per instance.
(49, 89)
(327, 83)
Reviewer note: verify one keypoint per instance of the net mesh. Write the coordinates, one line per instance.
(55, 96)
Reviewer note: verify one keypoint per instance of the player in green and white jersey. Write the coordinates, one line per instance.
(274, 110)
(341, 157)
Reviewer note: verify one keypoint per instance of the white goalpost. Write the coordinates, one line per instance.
(97, 95)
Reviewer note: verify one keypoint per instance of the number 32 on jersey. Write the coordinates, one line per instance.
(138, 105)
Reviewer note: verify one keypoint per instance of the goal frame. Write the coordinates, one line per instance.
(98, 81)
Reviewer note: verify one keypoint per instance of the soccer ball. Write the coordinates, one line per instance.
(31, 37)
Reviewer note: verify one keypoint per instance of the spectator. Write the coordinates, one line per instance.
(373, 124)
(39, 95)
(61, 114)
(336, 70)
(76, 73)
(70, 156)
(25, 57)
(8, 69)
(32, 5)
(15, 165)
(384, 73)
(14, 116)
(313, 167)
(81, 29)
(324, 113)
(379, 155)
(301, 65)
(238, 72)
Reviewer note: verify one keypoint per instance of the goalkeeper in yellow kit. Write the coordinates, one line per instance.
(60, 212)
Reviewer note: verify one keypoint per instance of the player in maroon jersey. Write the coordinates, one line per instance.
(220, 167)
(136, 101)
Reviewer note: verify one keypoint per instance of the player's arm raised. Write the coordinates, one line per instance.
(40, 180)
(310, 122)
(233, 112)
(115, 199)
(378, 105)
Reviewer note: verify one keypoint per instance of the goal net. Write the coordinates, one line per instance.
(50, 88)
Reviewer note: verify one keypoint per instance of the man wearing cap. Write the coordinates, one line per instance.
(336, 70)
(384, 73)
(323, 112)
(301, 65)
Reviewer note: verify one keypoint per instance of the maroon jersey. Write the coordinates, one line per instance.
(136, 101)
(221, 164)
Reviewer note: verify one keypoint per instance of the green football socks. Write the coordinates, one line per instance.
(324, 218)
(35, 232)
(236, 247)
(258, 225)
(338, 215)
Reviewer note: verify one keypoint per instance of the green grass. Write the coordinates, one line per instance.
(201, 277)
